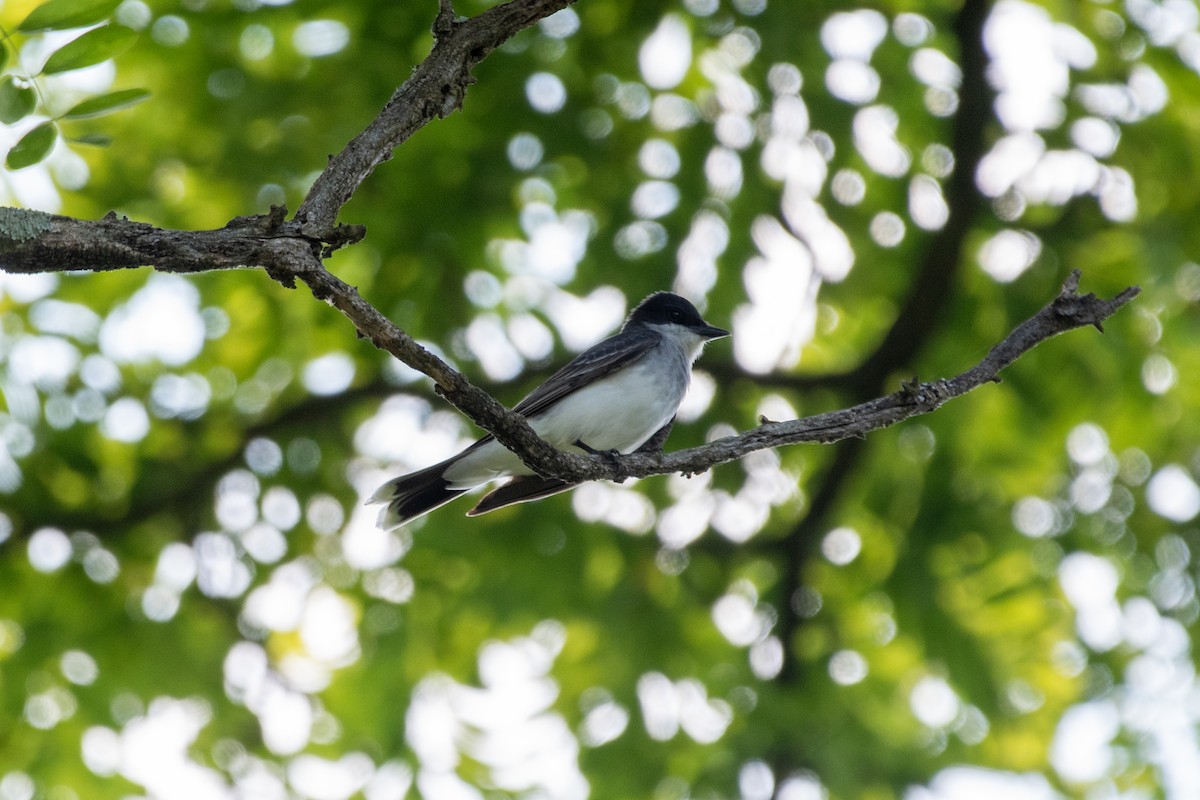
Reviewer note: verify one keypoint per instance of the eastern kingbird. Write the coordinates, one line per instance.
(619, 395)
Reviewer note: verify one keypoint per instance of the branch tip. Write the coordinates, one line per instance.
(1071, 284)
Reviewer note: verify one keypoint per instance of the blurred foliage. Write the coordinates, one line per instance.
(180, 501)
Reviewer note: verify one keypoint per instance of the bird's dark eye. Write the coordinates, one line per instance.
(676, 314)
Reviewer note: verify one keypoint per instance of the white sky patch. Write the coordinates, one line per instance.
(654, 199)
(403, 430)
(1009, 159)
(1173, 494)
(684, 522)
(853, 34)
(278, 605)
(833, 257)
(490, 344)
(934, 68)
(847, 667)
(220, 572)
(583, 321)
(853, 81)
(658, 158)
(329, 374)
(670, 112)
(1009, 253)
(507, 724)
(44, 361)
(841, 546)
(160, 321)
(126, 421)
(530, 336)
(735, 131)
(781, 286)
(1096, 136)
(555, 245)
(49, 550)
(325, 779)
(669, 706)
(926, 203)
(26, 288)
(666, 55)
(1027, 68)
(887, 229)
(737, 617)
(66, 319)
(154, 752)
(933, 702)
(875, 137)
(525, 151)
(723, 169)
(366, 546)
(603, 723)
(1081, 751)
(561, 24)
(1090, 583)
(545, 92)
(697, 256)
(959, 783)
(320, 37)
(286, 716)
(328, 627)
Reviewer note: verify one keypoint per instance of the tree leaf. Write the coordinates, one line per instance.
(33, 146)
(15, 101)
(91, 48)
(93, 139)
(107, 103)
(3, 53)
(57, 15)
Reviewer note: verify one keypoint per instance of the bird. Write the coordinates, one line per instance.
(618, 396)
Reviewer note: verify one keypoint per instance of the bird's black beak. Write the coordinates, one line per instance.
(712, 332)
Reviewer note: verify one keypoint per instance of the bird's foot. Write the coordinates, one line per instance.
(610, 454)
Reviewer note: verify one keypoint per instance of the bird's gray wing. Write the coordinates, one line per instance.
(592, 364)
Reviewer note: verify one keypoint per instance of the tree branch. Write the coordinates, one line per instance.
(288, 250)
(33, 241)
(1066, 312)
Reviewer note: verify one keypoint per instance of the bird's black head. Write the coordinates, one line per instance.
(665, 308)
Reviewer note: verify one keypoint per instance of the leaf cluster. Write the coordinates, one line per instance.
(22, 96)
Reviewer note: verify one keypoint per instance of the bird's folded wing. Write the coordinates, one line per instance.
(607, 357)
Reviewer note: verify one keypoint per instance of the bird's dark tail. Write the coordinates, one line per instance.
(412, 495)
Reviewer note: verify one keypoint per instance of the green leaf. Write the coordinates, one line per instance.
(57, 15)
(3, 53)
(93, 47)
(33, 146)
(107, 103)
(15, 101)
(93, 139)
